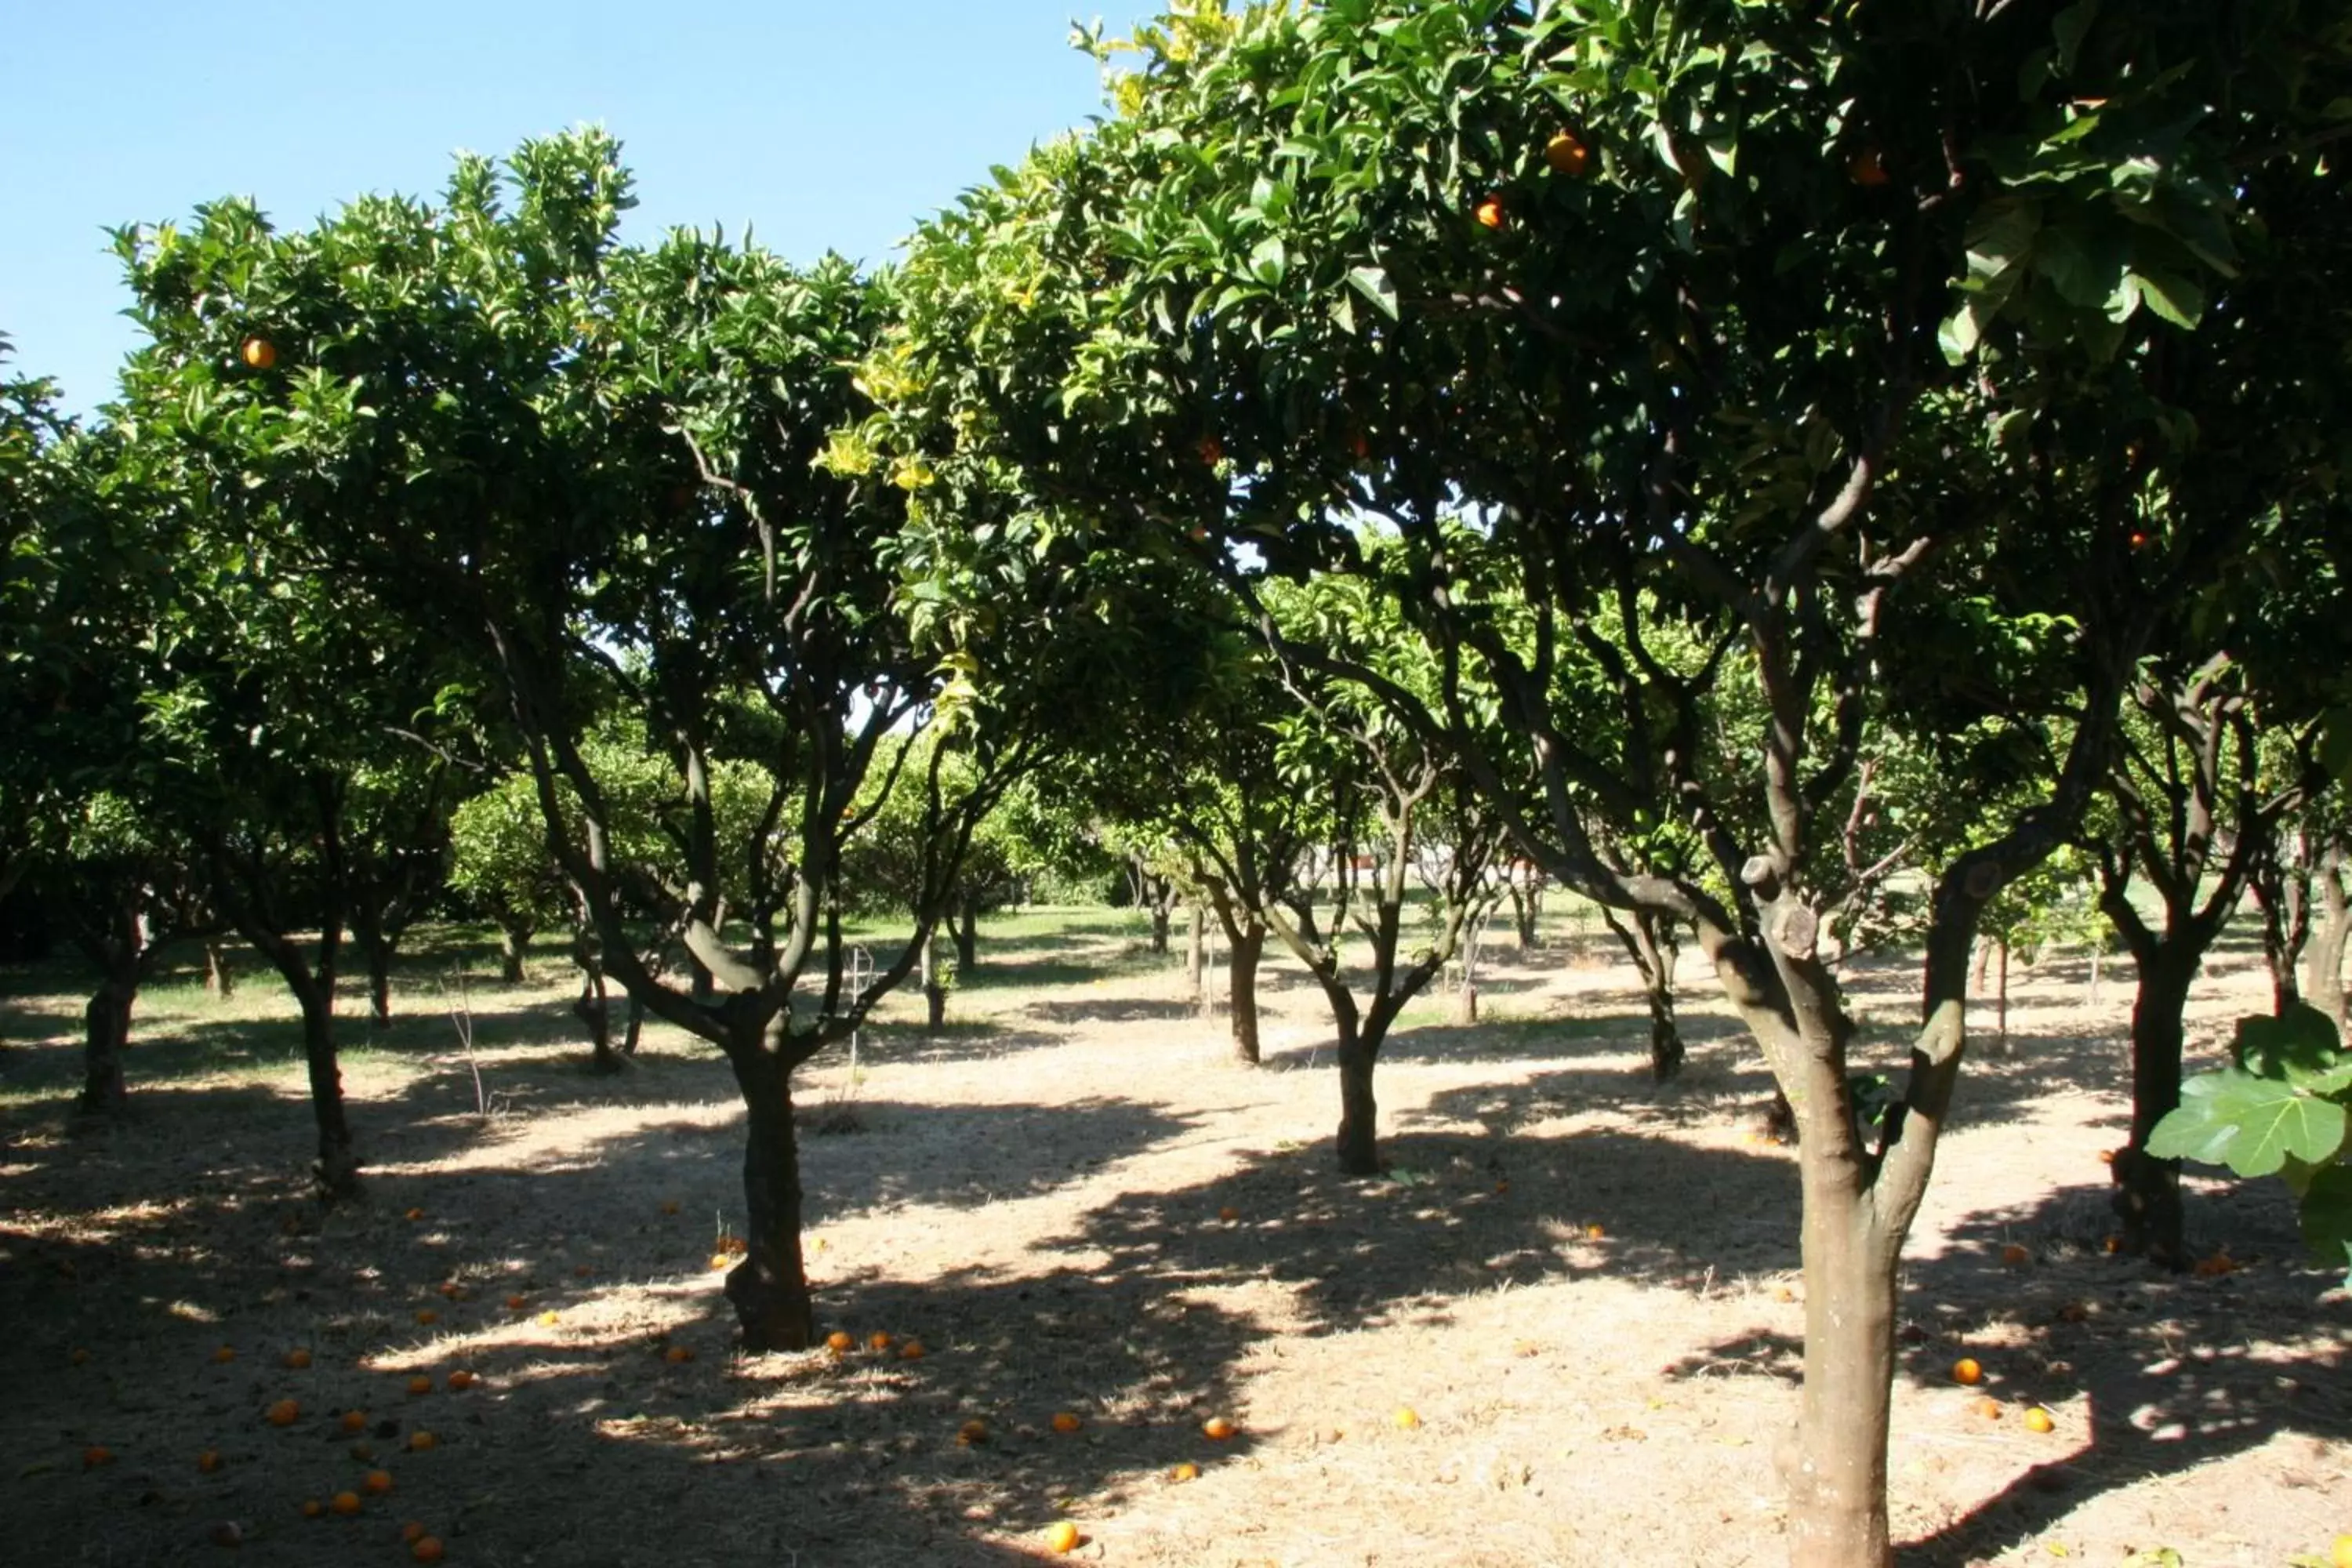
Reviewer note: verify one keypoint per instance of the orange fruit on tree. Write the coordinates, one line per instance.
(841, 1342)
(355, 1421)
(209, 1460)
(420, 1383)
(346, 1504)
(1568, 154)
(1866, 168)
(1187, 1472)
(1490, 213)
(1062, 1536)
(419, 1441)
(1064, 1421)
(428, 1549)
(285, 1413)
(97, 1454)
(258, 353)
(378, 1482)
(2038, 1420)
(1217, 1429)
(1967, 1371)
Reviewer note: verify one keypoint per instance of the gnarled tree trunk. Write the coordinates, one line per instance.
(770, 1286)
(2147, 1196)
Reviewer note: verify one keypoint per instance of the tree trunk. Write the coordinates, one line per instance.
(965, 927)
(1195, 951)
(635, 1026)
(935, 995)
(770, 1287)
(514, 940)
(2147, 1197)
(594, 1011)
(1241, 985)
(2000, 1002)
(379, 964)
(2322, 972)
(1159, 913)
(107, 1032)
(1527, 912)
(1358, 1141)
(220, 981)
(337, 1167)
(1651, 943)
(2281, 890)
(1835, 1463)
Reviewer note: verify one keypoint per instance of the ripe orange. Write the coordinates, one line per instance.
(314, 1509)
(461, 1380)
(1988, 1408)
(412, 1532)
(1568, 154)
(285, 1413)
(419, 1441)
(1406, 1417)
(225, 1355)
(1866, 168)
(1212, 451)
(97, 1454)
(1229, 1214)
(378, 1482)
(428, 1549)
(678, 1356)
(2341, 1554)
(1216, 1428)
(2013, 1254)
(355, 1421)
(721, 1260)
(298, 1359)
(209, 1460)
(346, 1504)
(258, 353)
(547, 1318)
(80, 1357)
(1594, 1233)
(516, 1303)
(1490, 213)
(420, 1383)
(413, 1214)
(1061, 1536)
(911, 1351)
(2038, 1420)
(841, 1342)
(2115, 1244)
(1187, 1472)
(1065, 1422)
(1967, 1371)
(973, 1432)
(879, 1339)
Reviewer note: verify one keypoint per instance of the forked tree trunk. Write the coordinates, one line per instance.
(770, 1287)
(2147, 1196)
(1245, 946)
(1358, 1145)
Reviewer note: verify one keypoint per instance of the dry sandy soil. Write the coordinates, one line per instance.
(1585, 1289)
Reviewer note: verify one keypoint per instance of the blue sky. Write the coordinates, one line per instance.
(822, 124)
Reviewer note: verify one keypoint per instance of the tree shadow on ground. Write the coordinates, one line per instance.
(1114, 1010)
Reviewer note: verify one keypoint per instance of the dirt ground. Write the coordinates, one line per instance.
(1562, 1330)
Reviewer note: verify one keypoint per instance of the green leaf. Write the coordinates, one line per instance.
(1373, 283)
(1269, 260)
(2253, 1125)
(2326, 1212)
(2172, 297)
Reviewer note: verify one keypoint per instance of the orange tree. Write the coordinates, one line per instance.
(1844, 335)
(591, 470)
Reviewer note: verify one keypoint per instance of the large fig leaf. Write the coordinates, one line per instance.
(2298, 1047)
(2253, 1125)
